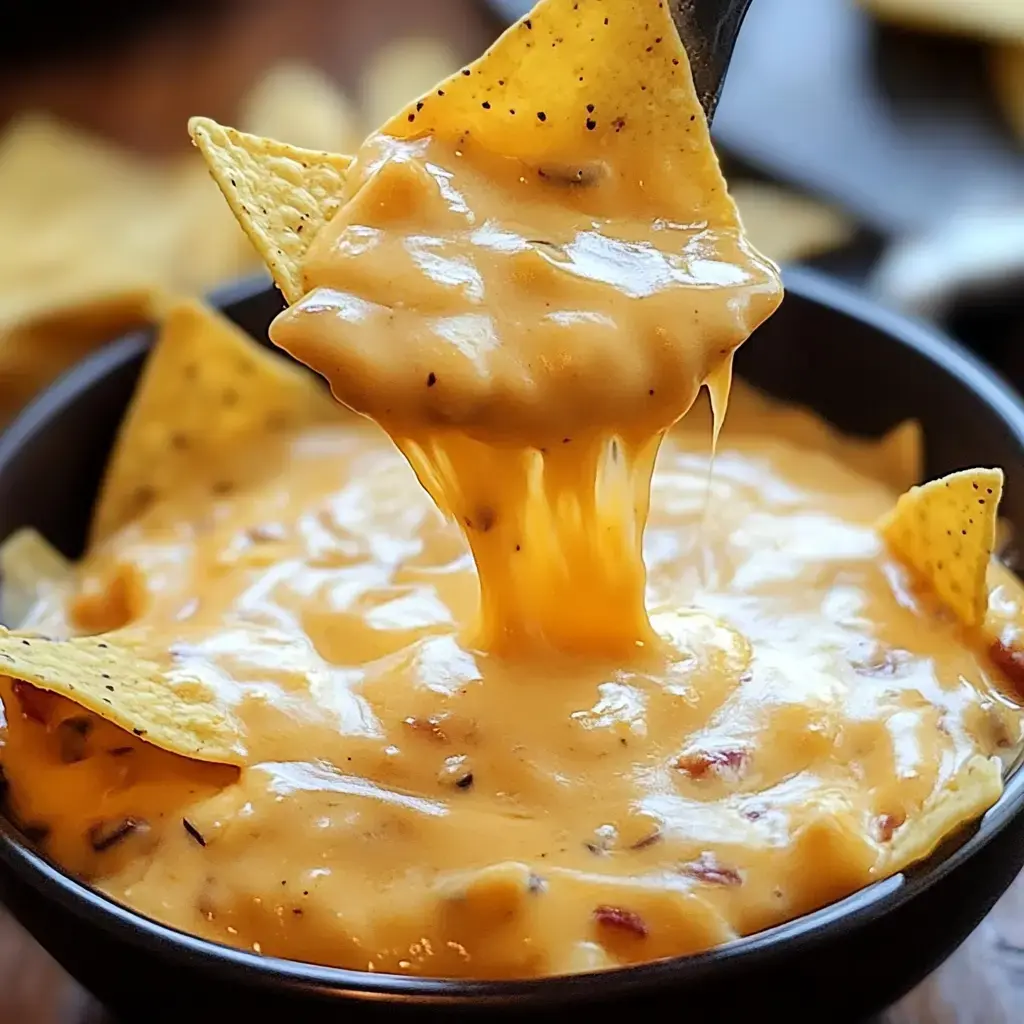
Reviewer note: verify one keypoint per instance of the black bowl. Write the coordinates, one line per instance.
(827, 348)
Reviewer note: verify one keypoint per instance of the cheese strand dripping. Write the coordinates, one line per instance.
(526, 297)
(526, 279)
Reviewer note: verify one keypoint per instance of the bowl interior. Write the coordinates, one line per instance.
(828, 348)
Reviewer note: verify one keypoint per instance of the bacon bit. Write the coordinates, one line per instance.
(707, 869)
(886, 825)
(36, 704)
(1009, 661)
(702, 763)
(106, 834)
(429, 727)
(621, 920)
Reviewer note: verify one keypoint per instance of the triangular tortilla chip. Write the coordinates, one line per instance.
(570, 87)
(299, 104)
(30, 568)
(115, 679)
(281, 195)
(573, 85)
(975, 787)
(945, 531)
(207, 391)
(1007, 68)
(983, 19)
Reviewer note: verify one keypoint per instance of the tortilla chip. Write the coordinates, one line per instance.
(208, 392)
(29, 567)
(786, 225)
(300, 105)
(113, 678)
(575, 85)
(945, 531)
(569, 86)
(163, 225)
(985, 19)
(1007, 68)
(969, 794)
(280, 194)
(34, 354)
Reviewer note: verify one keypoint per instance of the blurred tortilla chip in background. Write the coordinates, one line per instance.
(92, 235)
(301, 106)
(984, 19)
(96, 236)
(1007, 67)
(786, 225)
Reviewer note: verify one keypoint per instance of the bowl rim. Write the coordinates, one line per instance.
(831, 921)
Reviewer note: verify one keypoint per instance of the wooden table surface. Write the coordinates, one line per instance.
(983, 982)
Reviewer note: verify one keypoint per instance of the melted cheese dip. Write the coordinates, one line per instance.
(526, 334)
(415, 805)
(486, 738)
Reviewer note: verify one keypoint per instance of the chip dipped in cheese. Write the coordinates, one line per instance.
(117, 678)
(513, 703)
(946, 532)
(474, 291)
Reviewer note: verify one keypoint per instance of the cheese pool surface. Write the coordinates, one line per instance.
(415, 805)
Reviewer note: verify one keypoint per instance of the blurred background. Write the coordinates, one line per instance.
(882, 140)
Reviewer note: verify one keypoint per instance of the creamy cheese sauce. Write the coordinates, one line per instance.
(526, 335)
(413, 804)
(486, 738)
